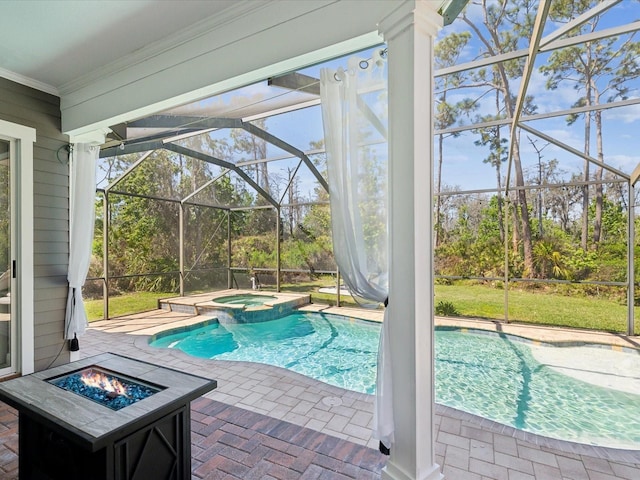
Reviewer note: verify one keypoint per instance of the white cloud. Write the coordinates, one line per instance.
(626, 163)
(562, 98)
(627, 115)
(568, 136)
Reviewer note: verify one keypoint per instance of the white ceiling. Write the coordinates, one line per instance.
(55, 42)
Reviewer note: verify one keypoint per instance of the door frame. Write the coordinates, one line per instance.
(21, 139)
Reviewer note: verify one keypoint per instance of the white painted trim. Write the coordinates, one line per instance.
(29, 82)
(95, 137)
(23, 138)
(18, 132)
(25, 256)
(262, 43)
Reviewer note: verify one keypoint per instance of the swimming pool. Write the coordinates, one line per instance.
(490, 375)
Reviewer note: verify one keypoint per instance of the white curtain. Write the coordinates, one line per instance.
(354, 114)
(82, 211)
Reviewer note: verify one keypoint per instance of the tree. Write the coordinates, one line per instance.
(446, 54)
(318, 217)
(504, 26)
(595, 68)
(556, 197)
(498, 154)
(294, 210)
(254, 150)
(205, 233)
(144, 230)
(539, 204)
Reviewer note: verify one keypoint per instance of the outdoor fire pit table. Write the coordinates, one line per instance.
(105, 417)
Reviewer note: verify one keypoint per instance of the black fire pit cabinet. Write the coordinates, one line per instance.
(67, 435)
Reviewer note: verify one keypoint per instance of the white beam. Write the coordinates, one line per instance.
(541, 116)
(262, 43)
(97, 137)
(635, 175)
(578, 21)
(482, 62)
(572, 150)
(592, 36)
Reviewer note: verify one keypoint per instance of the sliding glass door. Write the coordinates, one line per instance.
(7, 330)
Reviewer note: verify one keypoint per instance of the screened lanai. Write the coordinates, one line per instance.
(534, 175)
(213, 173)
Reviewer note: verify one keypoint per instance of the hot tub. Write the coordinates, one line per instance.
(246, 299)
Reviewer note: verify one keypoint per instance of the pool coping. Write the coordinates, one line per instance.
(527, 333)
(546, 335)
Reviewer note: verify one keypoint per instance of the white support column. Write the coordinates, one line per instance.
(409, 32)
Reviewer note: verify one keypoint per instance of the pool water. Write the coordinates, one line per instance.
(498, 378)
(329, 348)
(490, 375)
(248, 299)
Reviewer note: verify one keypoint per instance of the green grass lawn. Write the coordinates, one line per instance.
(125, 304)
(480, 301)
(312, 287)
(475, 301)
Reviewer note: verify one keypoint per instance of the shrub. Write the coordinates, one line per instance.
(446, 309)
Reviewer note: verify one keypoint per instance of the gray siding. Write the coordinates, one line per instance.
(39, 110)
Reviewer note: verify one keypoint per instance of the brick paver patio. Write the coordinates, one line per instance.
(231, 443)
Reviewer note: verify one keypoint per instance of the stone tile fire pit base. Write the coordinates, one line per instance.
(67, 436)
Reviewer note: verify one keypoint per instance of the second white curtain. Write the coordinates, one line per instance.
(354, 113)
(82, 212)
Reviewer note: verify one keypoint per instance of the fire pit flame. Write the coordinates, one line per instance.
(100, 380)
(110, 389)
